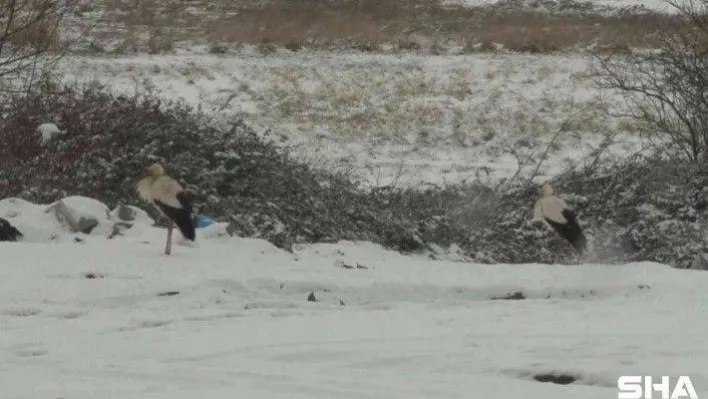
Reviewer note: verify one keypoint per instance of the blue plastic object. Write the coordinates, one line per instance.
(202, 221)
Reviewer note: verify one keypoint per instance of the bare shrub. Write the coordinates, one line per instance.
(641, 209)
(30, 40)
(232, 174)
(665, 90)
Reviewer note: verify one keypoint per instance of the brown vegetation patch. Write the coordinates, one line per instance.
(368, 24)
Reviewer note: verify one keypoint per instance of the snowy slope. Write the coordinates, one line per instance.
(417, 118)
(231, 319)
(653, 5)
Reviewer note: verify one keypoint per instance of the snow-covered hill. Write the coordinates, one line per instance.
(236, 317)
(602, 5)
(402, 119)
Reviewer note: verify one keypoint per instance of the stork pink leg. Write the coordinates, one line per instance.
(168, 245)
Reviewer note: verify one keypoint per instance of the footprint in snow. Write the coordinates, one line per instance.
(145, 324)
(22, 312)
(71, 315)
(29, 350)
(37, 352)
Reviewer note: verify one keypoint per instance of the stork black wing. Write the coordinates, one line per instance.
(181, 217)
(185, 202)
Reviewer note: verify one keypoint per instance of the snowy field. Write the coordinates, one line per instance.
(116, 318)
(87, 317)
(653, 5)
(404, 119)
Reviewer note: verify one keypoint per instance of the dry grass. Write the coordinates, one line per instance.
(31, 23)
(367, 24)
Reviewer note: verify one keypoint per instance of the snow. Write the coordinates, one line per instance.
(87, 207)
(653, 5)
(48, 131)
(417, 119)
(31, 219)
(88, 316)
(231, 319)
(40, 224)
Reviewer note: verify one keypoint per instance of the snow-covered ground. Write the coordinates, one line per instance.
(234, 317)
(116, 318)
(391, 118)
(653, 5)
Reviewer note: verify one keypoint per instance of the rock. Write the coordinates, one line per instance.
(124, 213)
(67, 217)
(512, 296)
(8, 232)
(118, 229)
(561, 379)
(340, 263)
(126, 216)
(86, 225)
(80, 214)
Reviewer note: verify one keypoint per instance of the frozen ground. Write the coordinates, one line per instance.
(230, 318)
(391, 118)
(655, 5)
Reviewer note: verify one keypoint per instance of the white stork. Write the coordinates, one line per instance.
(170, 199)
(559, 216)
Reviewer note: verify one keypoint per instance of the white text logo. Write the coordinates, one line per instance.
(644, 387)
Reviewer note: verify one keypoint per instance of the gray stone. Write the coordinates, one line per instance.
(86, 225)
(118, 229)
(125, 213)
(67, 216)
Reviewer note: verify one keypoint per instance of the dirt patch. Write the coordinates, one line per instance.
(561, 379)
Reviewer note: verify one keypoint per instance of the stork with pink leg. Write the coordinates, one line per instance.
(171, 200)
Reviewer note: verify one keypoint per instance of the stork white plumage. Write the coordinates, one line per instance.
(170, 199)
(558, 215)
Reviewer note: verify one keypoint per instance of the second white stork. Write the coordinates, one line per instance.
(559, 216)
(170, 199)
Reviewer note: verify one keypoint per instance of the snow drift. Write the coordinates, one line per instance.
(116, 318)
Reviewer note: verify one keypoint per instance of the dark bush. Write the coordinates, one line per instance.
(642, 209)
(231, 174)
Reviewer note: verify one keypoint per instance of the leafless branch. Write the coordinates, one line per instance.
(667, 90)
(563, 127)
(30, 39)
